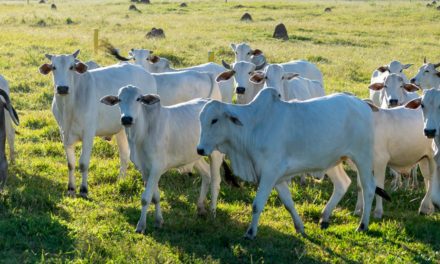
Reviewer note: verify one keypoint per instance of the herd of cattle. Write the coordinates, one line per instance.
(282, 125)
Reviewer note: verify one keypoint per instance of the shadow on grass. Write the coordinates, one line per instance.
(29, 230)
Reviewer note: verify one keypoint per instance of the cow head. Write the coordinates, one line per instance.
(241, 71)
(428, 76)
(243, 52)
(273, 76)
(216, 121)
(64, 68)
(131, 102)
(393, 90)
(430, 103)
(394, 67)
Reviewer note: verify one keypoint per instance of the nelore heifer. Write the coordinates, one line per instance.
(79, 114)
(161, 138)
(296, 144)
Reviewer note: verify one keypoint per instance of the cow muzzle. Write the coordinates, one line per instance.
(62, 90)
(240, 90)
(393, 103)
(430, 133)
(127, 120)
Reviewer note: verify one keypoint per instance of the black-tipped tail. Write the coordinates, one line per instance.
(382, 193)
(110, 49)
(229, 177)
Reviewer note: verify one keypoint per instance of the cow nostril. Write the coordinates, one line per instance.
(126, 120)
(62, 89)
(240, 90)
(430, 133)
(201, 151)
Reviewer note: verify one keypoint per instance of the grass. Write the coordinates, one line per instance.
(39, 223)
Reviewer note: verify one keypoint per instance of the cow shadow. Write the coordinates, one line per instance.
(30, 226)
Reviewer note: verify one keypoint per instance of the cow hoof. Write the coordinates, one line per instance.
(362, 228)
(201, 211)
(140, 228)
(426, 210)
(71, 192)
(249, 235)
(300, 230)
(158, 223)
(324, 225)
(377, 215)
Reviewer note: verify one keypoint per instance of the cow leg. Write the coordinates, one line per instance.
(84, 162)
(124, 152)
(427, 167)
(158, 211)
(202, 168)
(70, 155)
(368, 187)
(216, 160)
(10, 136)
(286, 198)
(379, 172)
(414, 181)
(435, 186)
(265, 187)
(396, 183)
(341, 182)
(360, 199)
(147, 195)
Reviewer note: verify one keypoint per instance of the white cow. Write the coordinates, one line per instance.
(156, 64)
(177, 87)
(428, 76)
(243, 52)
(399, 143)
(78, 112)
(289, 85)
(240, 131)
(394, 91)
(246, 90)
(162, 138)
(382, 72)
(430, 103)
(10, 131)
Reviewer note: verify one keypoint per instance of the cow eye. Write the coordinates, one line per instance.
(53, 68)
(148, 59)
(71, 68)
(422, 105)
(426, 71)
(249, 73)
(236, 52)
(249, 53)
(401, 70)
(265, 77)
(214, 121)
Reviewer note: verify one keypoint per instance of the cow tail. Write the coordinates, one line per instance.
(382, 193)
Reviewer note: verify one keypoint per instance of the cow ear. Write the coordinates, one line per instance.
(226, 65)
(257, 77)
(110, 100)
(371, 105)
(154, 59)
(383, 68)
(409, 87)
(80, 67)
(406, 66)
(233, 46)
(414, 104)
(224, 76)
(75, 54)
(149, 99)
(256, 52)
(234, 119)
(290, 75)
(45, 68)
(376, 86)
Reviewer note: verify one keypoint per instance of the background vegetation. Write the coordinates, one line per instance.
(39, 223)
